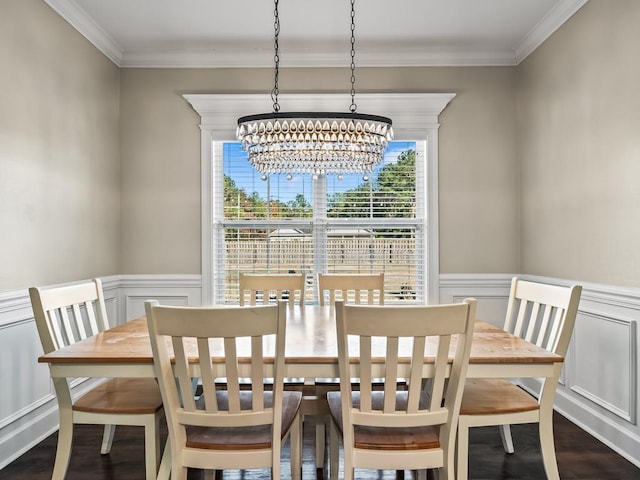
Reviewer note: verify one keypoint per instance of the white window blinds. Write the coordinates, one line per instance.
(355, 224)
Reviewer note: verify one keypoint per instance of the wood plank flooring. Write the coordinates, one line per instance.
(580, 456)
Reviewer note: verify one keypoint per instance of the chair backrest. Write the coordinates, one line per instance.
(272, 287)
(192, 332)
(543, 314)
(65, 315)
(414, 327)
(351, 288)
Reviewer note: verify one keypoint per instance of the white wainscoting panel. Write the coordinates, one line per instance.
(491, 291)
(604, 363)
(26, 395)
(177, 290)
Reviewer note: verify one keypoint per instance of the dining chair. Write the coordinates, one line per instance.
(230, 428)
(268, 287)
(541, 314)
(68, 314)
(353, 288)
(410, 429)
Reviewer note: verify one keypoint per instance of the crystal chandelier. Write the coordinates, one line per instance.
(317, 143)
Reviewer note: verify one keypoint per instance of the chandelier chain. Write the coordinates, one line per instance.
(276, 59)
(353, 106)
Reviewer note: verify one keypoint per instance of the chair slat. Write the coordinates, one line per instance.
(207, 376)
(365, 374)
(67, 331)
(257, 369)
(440, 366)
(182, 374)
(520, 320)
(556, 330)
(391, 375)
(543, 328)
(233, 376)
(93, 324)
(54, 328)
(75, 308)
(415, 380)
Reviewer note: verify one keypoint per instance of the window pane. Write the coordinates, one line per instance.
(358, 224)
(249, 195)
(390, 191)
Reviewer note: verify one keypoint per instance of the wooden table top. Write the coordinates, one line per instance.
(311, 339)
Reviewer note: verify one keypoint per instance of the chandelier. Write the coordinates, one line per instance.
(317, 143)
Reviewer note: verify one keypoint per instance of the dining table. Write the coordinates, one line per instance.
(311, 352)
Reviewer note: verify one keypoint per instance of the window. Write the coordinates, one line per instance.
(303, 224)
(415, 116)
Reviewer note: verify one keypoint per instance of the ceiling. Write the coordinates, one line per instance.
(233, 33)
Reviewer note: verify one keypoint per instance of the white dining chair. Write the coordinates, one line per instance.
(541, 314)
(271, 287)
(63, 316)
(410, 429)
(224, 428)
(351, 288)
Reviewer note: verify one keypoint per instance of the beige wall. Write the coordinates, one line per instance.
(160, 152)
(101, 166)
(579, 148)
(59, 164)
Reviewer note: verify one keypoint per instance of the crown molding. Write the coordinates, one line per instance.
(417, 56)
(547, 26)
(85, 25)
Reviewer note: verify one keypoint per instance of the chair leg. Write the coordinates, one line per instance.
(152, 447)
(507, 440)
(179, 472)
(107, 439)
(295, 440)
(462, 452)
(320, 440)
(164, 470)
(334, 452)
(65, 440)
(547, 445)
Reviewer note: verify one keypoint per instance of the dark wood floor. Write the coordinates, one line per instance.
(580, 456)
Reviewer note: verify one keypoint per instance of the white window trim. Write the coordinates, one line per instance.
(414, 115)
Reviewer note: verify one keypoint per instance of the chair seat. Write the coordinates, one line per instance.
(243, 438)
(122, 395)
(492, 396)
(386, 438)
